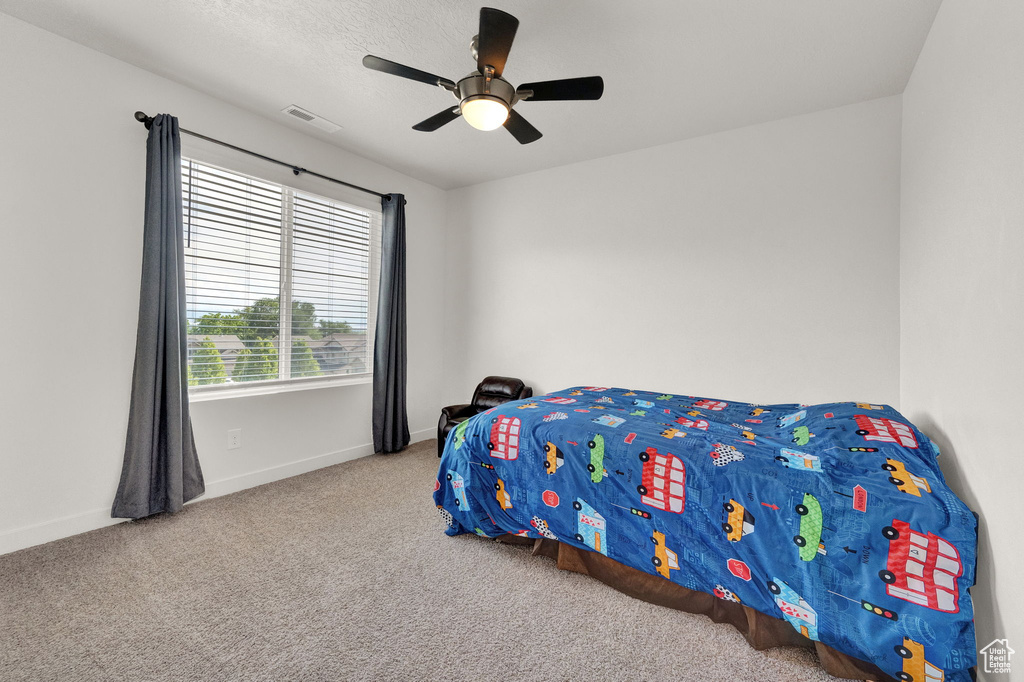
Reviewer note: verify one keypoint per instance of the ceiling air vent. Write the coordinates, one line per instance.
(311, 118)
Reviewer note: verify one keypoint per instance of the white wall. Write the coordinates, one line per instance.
(962, 249)
(758, 264)
(72, 164)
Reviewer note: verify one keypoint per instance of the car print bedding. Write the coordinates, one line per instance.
(835, 518)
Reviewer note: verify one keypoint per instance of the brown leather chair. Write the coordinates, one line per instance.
(490, 392)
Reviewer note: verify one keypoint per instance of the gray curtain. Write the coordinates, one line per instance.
(161, 470)
(390, 419)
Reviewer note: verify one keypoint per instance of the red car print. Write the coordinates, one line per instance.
(698, 424)
(885, 430)
(663, 481)
(713, 405)
(922, 568)
(504, 443)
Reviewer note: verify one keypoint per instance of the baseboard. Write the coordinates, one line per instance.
(251, 479)
(66, 526)
(254, 478)
(55, 529)
(422, 434)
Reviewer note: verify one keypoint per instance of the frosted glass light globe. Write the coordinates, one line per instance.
(484, 113)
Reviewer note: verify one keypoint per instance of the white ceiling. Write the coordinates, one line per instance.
(673, 69)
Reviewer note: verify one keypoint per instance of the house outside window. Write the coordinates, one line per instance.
(281, 284)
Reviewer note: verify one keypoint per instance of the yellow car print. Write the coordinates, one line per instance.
(915, 667)
(504, 499)
(905, 481)
(664, 559)
(738, 522)
(553, 457)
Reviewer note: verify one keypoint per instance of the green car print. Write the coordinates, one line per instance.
(596, 466)
(801, 435)
(460, 433)
(811, 521)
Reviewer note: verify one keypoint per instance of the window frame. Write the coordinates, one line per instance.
(210, 156)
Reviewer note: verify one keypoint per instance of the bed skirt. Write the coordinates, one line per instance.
(761, 631)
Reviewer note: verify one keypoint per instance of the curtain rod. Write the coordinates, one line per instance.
(148, 121)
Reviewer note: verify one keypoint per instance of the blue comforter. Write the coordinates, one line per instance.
(833, 517)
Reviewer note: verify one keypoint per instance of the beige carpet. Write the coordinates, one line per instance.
(340, 574)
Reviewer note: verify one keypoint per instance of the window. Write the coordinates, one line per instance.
(280, 284)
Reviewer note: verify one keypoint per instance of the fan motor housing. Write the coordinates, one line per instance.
(476, 86)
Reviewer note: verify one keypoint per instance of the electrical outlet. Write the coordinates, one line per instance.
(234, 439)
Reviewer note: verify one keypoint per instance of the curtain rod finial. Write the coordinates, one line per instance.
(141, 117)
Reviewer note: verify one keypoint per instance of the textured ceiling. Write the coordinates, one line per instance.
(673, 69)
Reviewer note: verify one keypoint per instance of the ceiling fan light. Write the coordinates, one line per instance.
(483, 112)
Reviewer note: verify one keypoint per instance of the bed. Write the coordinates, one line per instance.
(824, 525)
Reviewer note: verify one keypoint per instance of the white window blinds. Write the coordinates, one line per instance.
(280, 283)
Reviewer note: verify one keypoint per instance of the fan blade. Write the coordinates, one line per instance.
(497, 31)
(591, 87)
(438, 120)
(396, 69)
(521, 128)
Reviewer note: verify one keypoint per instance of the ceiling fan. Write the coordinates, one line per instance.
(485, 98)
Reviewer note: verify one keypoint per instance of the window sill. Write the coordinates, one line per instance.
(221, 392)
